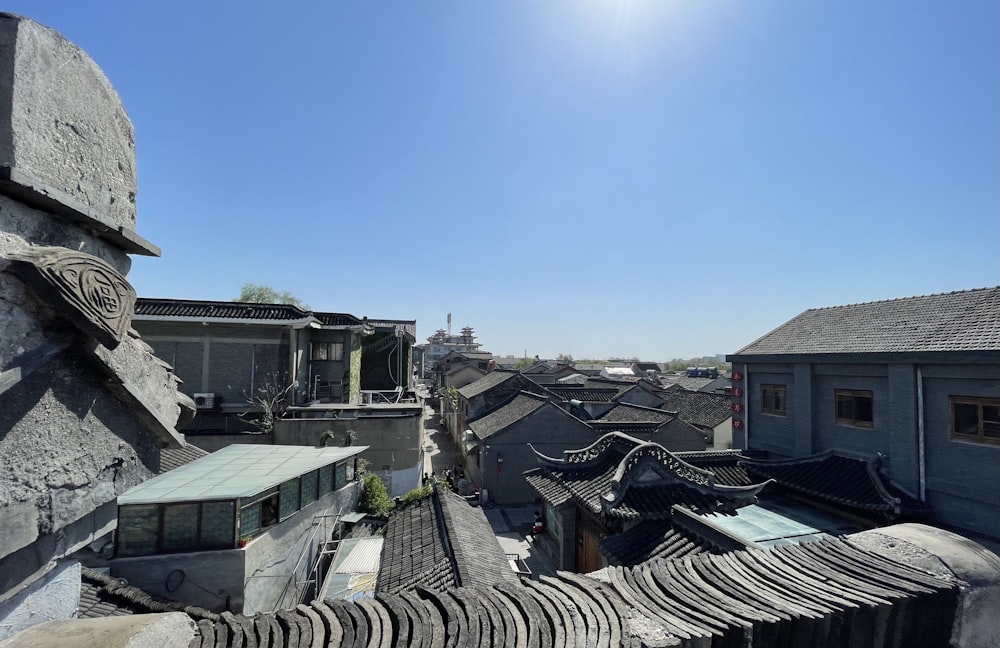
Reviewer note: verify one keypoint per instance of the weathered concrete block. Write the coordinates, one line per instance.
(55, 596)
(169, 630)
(66, 142)
(18, 526)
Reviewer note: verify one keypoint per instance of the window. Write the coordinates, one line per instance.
(288, 497)
(150, 529)
(309, 484)
(325, 480)
(975, 419)
(855, 407)
(773, 399)
(328, 351)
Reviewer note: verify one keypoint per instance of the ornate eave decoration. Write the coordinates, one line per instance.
(91, 294)
(671, 469)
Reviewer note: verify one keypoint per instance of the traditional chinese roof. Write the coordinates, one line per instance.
(597, 382)
(520, 406)
(968, 320)
(621, 476)
(487, 382)
(189, 309)
(583, 394)
(847, 481)
(833, 592)
(703, 409)
(624, 412)
(628, 427)
(103, 596)
(655, 539)
(724, 464)
(439, 542)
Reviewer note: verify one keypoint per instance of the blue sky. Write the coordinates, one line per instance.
(647, 178)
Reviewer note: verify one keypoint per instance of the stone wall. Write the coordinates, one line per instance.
(84, 405)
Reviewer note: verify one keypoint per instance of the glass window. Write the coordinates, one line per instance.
(138, 528)
(855, 407)
(772, 399)
(217, 524)
(288, 497)
(250, 519)
(180, 527)
(975, 419)
(328, 351)
(310, 482)
(325, 480)
(341, 476)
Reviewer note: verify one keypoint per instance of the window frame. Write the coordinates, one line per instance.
(775, 388)
(853, 421)
(331, 352)
(979, 402)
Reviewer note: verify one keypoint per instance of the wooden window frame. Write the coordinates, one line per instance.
(854, 421)
(774, 388)
(979, 402)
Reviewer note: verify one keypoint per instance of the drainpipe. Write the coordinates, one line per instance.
(921, 450)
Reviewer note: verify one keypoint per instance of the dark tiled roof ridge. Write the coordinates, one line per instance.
(785, 591)
(901, 299)
(881, 500)
(128, 599)
(963, 320)
(148, 303)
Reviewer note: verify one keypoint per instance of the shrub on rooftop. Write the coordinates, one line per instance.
(374, 498)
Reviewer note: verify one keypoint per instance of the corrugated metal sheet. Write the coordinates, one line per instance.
(358, 556)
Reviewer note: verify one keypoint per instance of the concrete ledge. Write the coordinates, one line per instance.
(169, 630)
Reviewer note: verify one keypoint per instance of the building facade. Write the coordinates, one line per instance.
(914, 383)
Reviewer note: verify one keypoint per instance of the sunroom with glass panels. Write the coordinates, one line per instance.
(225, 499)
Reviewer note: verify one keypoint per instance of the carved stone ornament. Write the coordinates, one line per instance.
(95, 297)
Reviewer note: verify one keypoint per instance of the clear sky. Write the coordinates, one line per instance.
(650, 178)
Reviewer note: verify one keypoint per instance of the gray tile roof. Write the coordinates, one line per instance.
(438, 542)
(832, 593)
(478, 556)
(415, 550)
(958, 321)
(611, 477)
(487, 382)
(703, 409)
(651, 539)
(171, 458)
(502, 417)
(103, 596)
(156, 307)
(623, 412)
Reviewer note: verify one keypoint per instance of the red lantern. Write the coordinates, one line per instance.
(737, 392)
(738, 408)
(737, 376)
(737, 425)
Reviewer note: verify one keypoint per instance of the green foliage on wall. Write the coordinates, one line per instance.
(374, 498)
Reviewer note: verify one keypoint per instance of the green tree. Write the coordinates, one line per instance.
(564, 358)
(374, 498)
(261, 294)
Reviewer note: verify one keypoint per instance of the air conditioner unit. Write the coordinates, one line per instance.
(204, 401)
